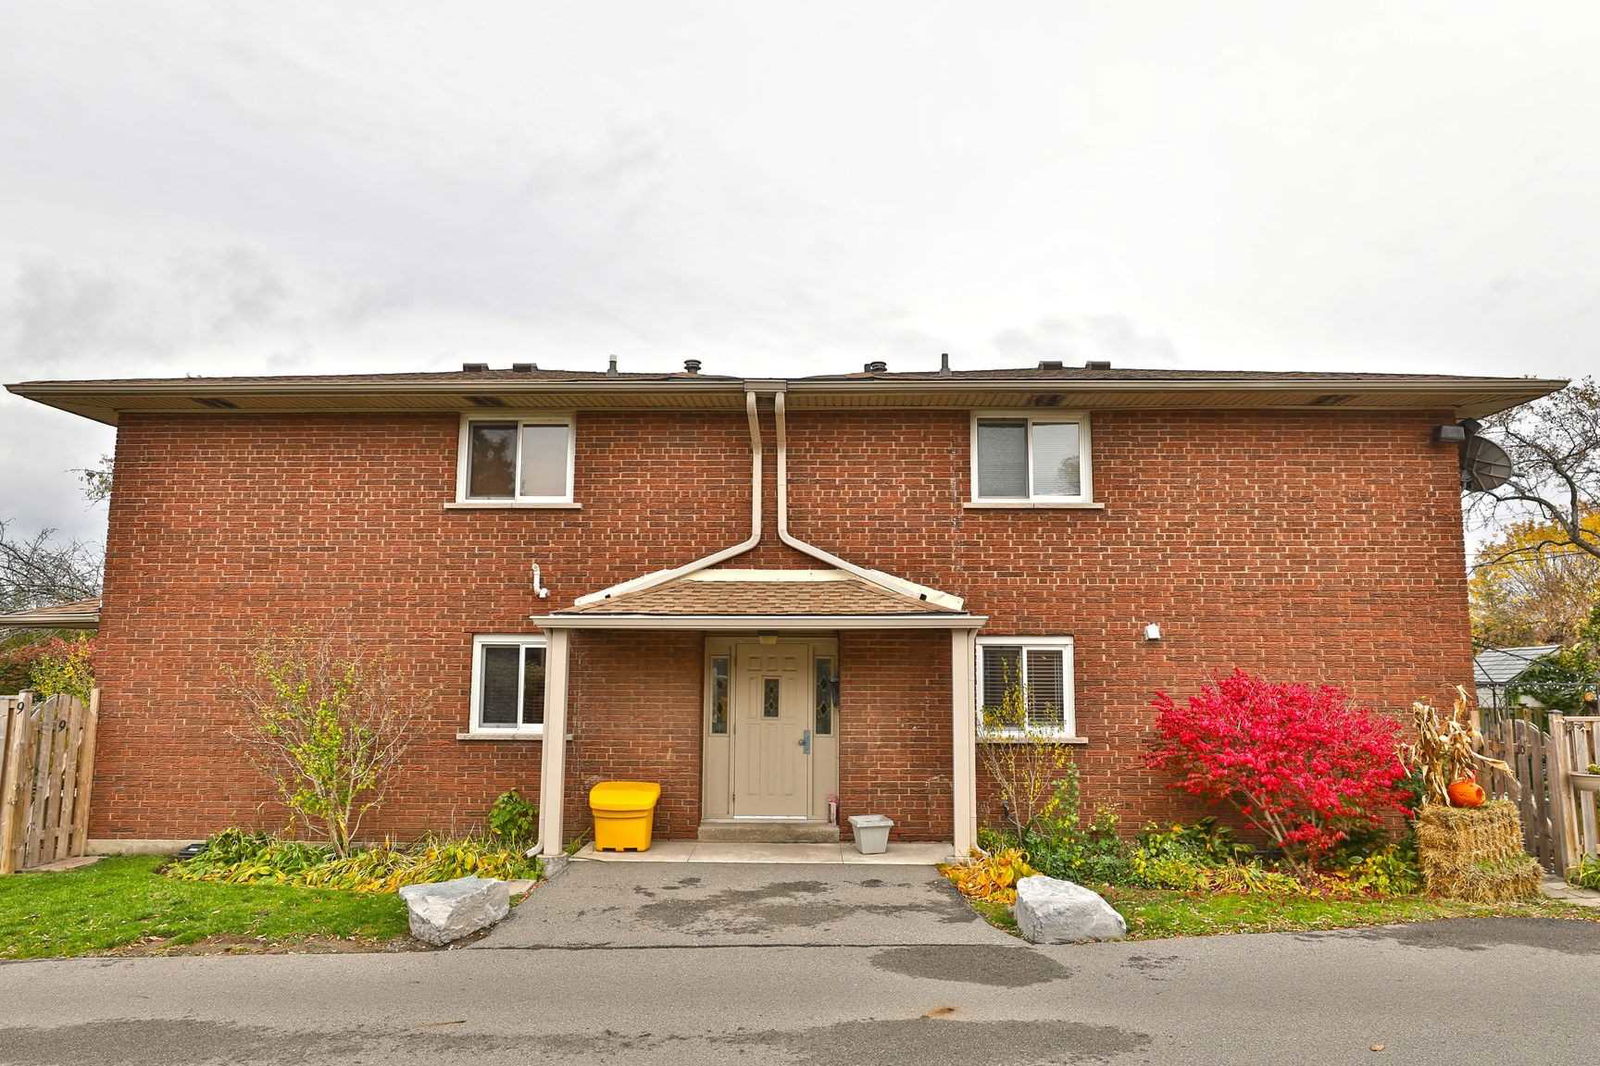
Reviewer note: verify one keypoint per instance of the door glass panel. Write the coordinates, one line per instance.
(498, 685)
(1055, 459)
(492, 459)
(544, 461)
(1003, 459)
(769, 697)
(827, 696)
(719, 695)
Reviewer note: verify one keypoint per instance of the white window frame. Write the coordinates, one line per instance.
(521, 418)
(1033, 417)
(1069, 699)
(476, 727)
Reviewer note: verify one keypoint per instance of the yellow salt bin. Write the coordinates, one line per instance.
(623, 812)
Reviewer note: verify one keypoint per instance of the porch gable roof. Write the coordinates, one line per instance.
(763, 592)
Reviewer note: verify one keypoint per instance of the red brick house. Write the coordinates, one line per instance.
(763, 594)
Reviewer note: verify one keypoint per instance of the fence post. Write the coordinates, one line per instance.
(11, 783)
(78, 842)
(1563, 812)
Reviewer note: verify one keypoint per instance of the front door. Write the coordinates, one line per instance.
(772, 723)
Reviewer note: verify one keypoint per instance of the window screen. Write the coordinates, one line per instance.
(1003, 459)
(1045, 677)
(497, 689)
(492, 460)
(532, 686)
(1002, 668)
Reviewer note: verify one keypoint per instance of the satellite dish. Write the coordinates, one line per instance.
(1484, 465)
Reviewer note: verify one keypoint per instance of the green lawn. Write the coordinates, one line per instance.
(119, 902)
(1153, 914)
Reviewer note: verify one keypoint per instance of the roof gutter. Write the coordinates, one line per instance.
(662, 576)
(877, 577)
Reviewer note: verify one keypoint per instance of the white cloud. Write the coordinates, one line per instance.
(233, 187)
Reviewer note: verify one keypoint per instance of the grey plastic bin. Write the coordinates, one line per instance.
(871, 832)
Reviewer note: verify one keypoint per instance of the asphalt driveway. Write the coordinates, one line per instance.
(636, 905)
(1472, 991)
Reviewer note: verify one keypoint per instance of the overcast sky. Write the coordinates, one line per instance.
(783, 189)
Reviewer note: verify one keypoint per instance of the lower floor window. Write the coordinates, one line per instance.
(1025, 686)
(508, 684)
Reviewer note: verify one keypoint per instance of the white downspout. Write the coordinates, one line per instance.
(877, 577)
(660, 576)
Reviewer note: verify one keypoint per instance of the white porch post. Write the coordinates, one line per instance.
(553, 758)
(964, 738)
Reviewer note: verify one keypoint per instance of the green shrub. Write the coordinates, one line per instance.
(513, 821)
(1586, 874)
(238, 857)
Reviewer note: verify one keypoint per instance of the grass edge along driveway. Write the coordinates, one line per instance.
(121, 903)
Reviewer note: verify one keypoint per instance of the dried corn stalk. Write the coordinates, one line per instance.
(1447, 748)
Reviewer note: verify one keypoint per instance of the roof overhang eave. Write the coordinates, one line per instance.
(51, 621)
(758, 621)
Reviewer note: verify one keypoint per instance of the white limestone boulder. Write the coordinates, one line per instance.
(1050, 911)
(449, 910)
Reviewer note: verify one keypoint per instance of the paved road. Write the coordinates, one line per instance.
(1463, 991)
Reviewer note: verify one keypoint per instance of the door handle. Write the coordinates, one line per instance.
(805, 741)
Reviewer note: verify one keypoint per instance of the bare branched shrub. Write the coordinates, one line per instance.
(1026, 763)
(322, 726)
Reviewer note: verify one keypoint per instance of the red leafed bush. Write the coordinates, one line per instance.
(1299, 762)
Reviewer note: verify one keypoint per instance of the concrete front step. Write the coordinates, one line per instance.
(769, 832)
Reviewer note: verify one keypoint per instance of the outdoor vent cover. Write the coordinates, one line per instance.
(474, 368)
(217, 402)
(1332, 399)
(486, 401)
(1045, 399)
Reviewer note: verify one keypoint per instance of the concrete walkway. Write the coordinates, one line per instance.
(603, 904)
(913, 854)
(1556, 888)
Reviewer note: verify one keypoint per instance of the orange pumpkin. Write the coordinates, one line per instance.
(1466, 793)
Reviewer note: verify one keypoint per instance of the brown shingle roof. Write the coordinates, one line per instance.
(781, 594)
(78, 614)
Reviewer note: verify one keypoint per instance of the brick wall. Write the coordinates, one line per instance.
(894, 730)
(1317, 546)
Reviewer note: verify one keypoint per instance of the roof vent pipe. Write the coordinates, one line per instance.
(944, 362)
(611, 367)
(691, 366)
(877, 366)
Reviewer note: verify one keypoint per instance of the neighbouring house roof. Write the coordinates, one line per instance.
(764, 593)
(78, 614)
(1047, 385)
(1501, 666)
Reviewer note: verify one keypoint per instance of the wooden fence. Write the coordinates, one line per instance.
(46, 776)
(1575, 764)
(1526, 748)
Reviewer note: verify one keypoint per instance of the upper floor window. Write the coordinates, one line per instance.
(1026, 458)
(516, 459)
